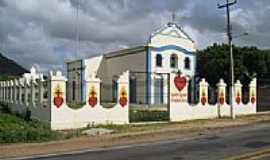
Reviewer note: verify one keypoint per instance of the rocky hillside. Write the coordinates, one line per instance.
(9, 67)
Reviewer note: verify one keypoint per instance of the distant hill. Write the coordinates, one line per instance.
(9, 68)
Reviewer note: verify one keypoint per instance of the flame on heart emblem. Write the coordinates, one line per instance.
(92, 100)
(180, 82)
(58, 97)
(123, 97)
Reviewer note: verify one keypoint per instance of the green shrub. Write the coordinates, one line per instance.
(147, 115)
(4, 108)
(27, 115)
(75, 104)
(15, 129)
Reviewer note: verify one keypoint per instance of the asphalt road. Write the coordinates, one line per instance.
(229, 143)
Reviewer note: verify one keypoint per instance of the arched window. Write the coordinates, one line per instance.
(187, 63)
(174, 61)
(159, 60)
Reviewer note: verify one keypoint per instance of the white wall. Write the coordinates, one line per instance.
(180, 110)
(64, 117)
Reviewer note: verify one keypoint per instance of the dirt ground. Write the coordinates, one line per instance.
(135, 134)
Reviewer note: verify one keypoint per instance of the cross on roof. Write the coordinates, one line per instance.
(173, 16)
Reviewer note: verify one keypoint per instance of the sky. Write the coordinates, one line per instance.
(42, 33)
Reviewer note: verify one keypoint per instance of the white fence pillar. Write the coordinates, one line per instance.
(57, 99)
(221, 98)
(21, 91)
(253, 91)
(40, 92)
(15, 91)
(4, 91)
(33, 92)
(92, 91)
(57, 89)
(178, 97)
(238, 92)
(203, 92)
(26, 92)
(123, 97)
(8, 91)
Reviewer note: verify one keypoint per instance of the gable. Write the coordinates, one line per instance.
(171, 30)
(172, 37)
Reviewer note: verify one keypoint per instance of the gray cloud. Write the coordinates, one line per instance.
(43, 32)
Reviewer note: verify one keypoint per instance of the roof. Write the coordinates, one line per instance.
(138, 48)
(122, 52)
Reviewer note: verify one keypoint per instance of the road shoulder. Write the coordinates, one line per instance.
(137, 135)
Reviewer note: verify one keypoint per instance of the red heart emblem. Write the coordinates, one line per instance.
(58, 101)
(221, 100)
(203, 100)
(180, 82)
(253, 99)
(238, 100)
(123, 101)
(92, 101)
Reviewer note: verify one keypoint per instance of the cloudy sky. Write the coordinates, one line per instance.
(43, 32)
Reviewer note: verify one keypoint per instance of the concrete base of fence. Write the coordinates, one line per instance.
(67, 118)
(188, 112)
(241, 109)
(180, 110)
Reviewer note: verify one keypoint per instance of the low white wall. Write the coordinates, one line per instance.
(241, 109)
(63, 117)
(186, 111)
(67, 118)
(180, 110)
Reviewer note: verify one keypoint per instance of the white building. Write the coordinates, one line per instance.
(168, 49)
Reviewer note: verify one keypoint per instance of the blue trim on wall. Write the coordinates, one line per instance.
(146, 79)
(148, 76)
(172, 47)
(82, 82)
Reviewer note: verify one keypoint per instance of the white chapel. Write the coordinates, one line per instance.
(168, 49)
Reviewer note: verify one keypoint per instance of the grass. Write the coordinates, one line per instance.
(15, 129)
(19, 128)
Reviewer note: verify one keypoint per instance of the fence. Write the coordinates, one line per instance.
(46, 98)
(263, 94)
(149, 90)
(181, 110)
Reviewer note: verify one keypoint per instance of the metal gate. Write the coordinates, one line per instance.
(149, 96)
(263, 94)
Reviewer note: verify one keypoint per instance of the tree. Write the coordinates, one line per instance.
(214, 63)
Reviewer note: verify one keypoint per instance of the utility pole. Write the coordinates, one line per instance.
(77, 29)
(227, 5)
